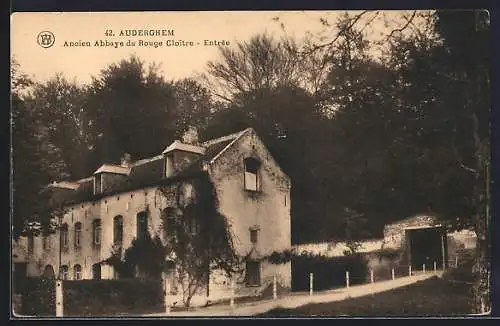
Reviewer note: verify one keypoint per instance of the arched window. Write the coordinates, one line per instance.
(118, 230)
(78, 272)
(48, 272)
(142, 224)
(78, 234)
(64, 272)
(96, 232)
(64, 235)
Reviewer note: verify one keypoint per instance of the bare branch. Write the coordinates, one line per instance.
(341, 32)
(401, 29)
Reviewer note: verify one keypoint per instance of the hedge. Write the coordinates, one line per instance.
(112, 297)
(329, 272)
(38, 297)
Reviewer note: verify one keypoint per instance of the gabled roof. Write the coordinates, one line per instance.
(150, 171)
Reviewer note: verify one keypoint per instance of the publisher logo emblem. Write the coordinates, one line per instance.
(46, 39)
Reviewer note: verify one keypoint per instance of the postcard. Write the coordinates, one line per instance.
(251, 164)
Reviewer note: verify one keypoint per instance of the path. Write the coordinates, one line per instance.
(295, 300)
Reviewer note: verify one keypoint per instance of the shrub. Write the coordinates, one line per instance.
(329, 272)
(111, 297)
(37, 297)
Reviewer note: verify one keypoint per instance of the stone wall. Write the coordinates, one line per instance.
(127, 204)
(395, 235)
(268, 210)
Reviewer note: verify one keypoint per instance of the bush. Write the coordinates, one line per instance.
(112, 297)
(38, 297)
(329, 272)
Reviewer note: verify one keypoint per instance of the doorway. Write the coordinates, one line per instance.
(253, 273)
(426, 246)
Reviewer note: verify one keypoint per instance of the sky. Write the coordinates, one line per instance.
(79, 63)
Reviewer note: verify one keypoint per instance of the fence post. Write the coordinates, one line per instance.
(443, 251)
(59, 299)
(392, 274)
(275, 288)
(409, 270)
(231, 302)
(347, 279)
(167, 292)
(456, 261)
(311, 276)
(371, 276)
(423, 268)
(435, 267)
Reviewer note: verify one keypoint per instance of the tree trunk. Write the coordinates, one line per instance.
(482, 268)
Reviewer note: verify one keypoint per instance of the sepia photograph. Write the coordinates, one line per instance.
(250, 164)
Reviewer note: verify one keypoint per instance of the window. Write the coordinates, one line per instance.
(96, 271)
(64, 236)
(253, 235)
(46, 242)
(252, 272)
(252, 174)
(96, 228)
(97, 184)
(31, 243)
(118, 230)
(171, 229)
(78, 234)
(193, 226)
(78, 272)
(142, 225)
(48, 272)
(169, 167)
(64, 272)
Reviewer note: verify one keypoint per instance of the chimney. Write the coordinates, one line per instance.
(125, 160)
(190, 136)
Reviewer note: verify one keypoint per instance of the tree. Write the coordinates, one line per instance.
(193, 105)
(262, 62)
(466, 36)
(289, 121)
(198, 237)
(36, 160)
(130, 105)
(134, 263)
(60, 106)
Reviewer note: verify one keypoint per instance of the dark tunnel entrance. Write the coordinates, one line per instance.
(426, 246)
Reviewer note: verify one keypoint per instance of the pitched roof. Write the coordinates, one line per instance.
(149, 171)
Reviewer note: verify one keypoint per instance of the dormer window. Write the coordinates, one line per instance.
(251, 180)
(108, 175)
(97, 183)
(184, 155)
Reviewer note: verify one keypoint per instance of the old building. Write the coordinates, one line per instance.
(120, 202)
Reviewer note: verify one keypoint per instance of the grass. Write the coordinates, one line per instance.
(432, 297)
